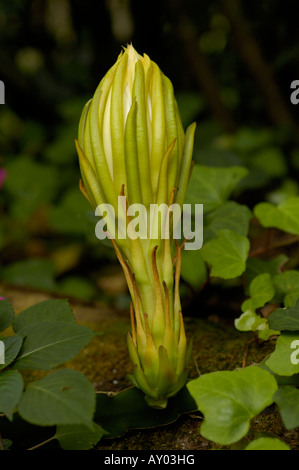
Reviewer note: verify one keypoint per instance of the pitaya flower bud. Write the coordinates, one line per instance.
(131, 143)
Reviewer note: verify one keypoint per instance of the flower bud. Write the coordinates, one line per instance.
(131, 143)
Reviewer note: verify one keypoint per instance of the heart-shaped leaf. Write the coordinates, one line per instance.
(230, 399)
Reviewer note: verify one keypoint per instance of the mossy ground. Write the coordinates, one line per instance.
(105, 361)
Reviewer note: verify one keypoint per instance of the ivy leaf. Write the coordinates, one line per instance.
(213, 186)
(12, 346)
(250, 321)
(48, 310)
(226, 254)
(256, 266)
(267, 443)
(287, 284)
(284, 360)
(79, 437)
(261, 291)
(285, 216)
(11, 386)
(230, 399)
(63, 397)
(287, 399)
(230, 215)
(285, 318)
(6, 314)
(48, 344)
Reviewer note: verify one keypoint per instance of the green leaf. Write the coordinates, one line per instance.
(49, 344)
(78, 287)
(213, 186)
(193, 269)
(249, 321)
(230, 216)
(61, 398)
(128, 410)
(284, 360)
(79, 437)
(12, 345)
(226, 254)
(285, 216)
(11, 386)
(287, 284)
(6, 314)
(35, 273)
(285, 318)
(261, 291)
(230, 399)
(282, 381)
(256, 266)
(287, 399)
(267, 443)
(70, 216)
(47, 310)
(271, 160)
(30, 184)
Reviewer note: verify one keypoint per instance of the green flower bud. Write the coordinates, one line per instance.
(131, 143)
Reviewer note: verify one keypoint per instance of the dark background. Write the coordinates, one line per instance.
(231, 63)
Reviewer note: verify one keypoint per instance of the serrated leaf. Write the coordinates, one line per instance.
(48, 344)
(63, 397)
(79, 437)
(261, 291)
(267, 443)
(226, 254)
(6, 314)
(12, 346)
(287, 399)
(11, 386)
(285, 216)
(193, 269)
(230, 399)
(285, 318)
(213, 186)
(47, 310)
(284, 360)
(230, 215)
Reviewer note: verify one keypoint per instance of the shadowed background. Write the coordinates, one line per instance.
(231, 63)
